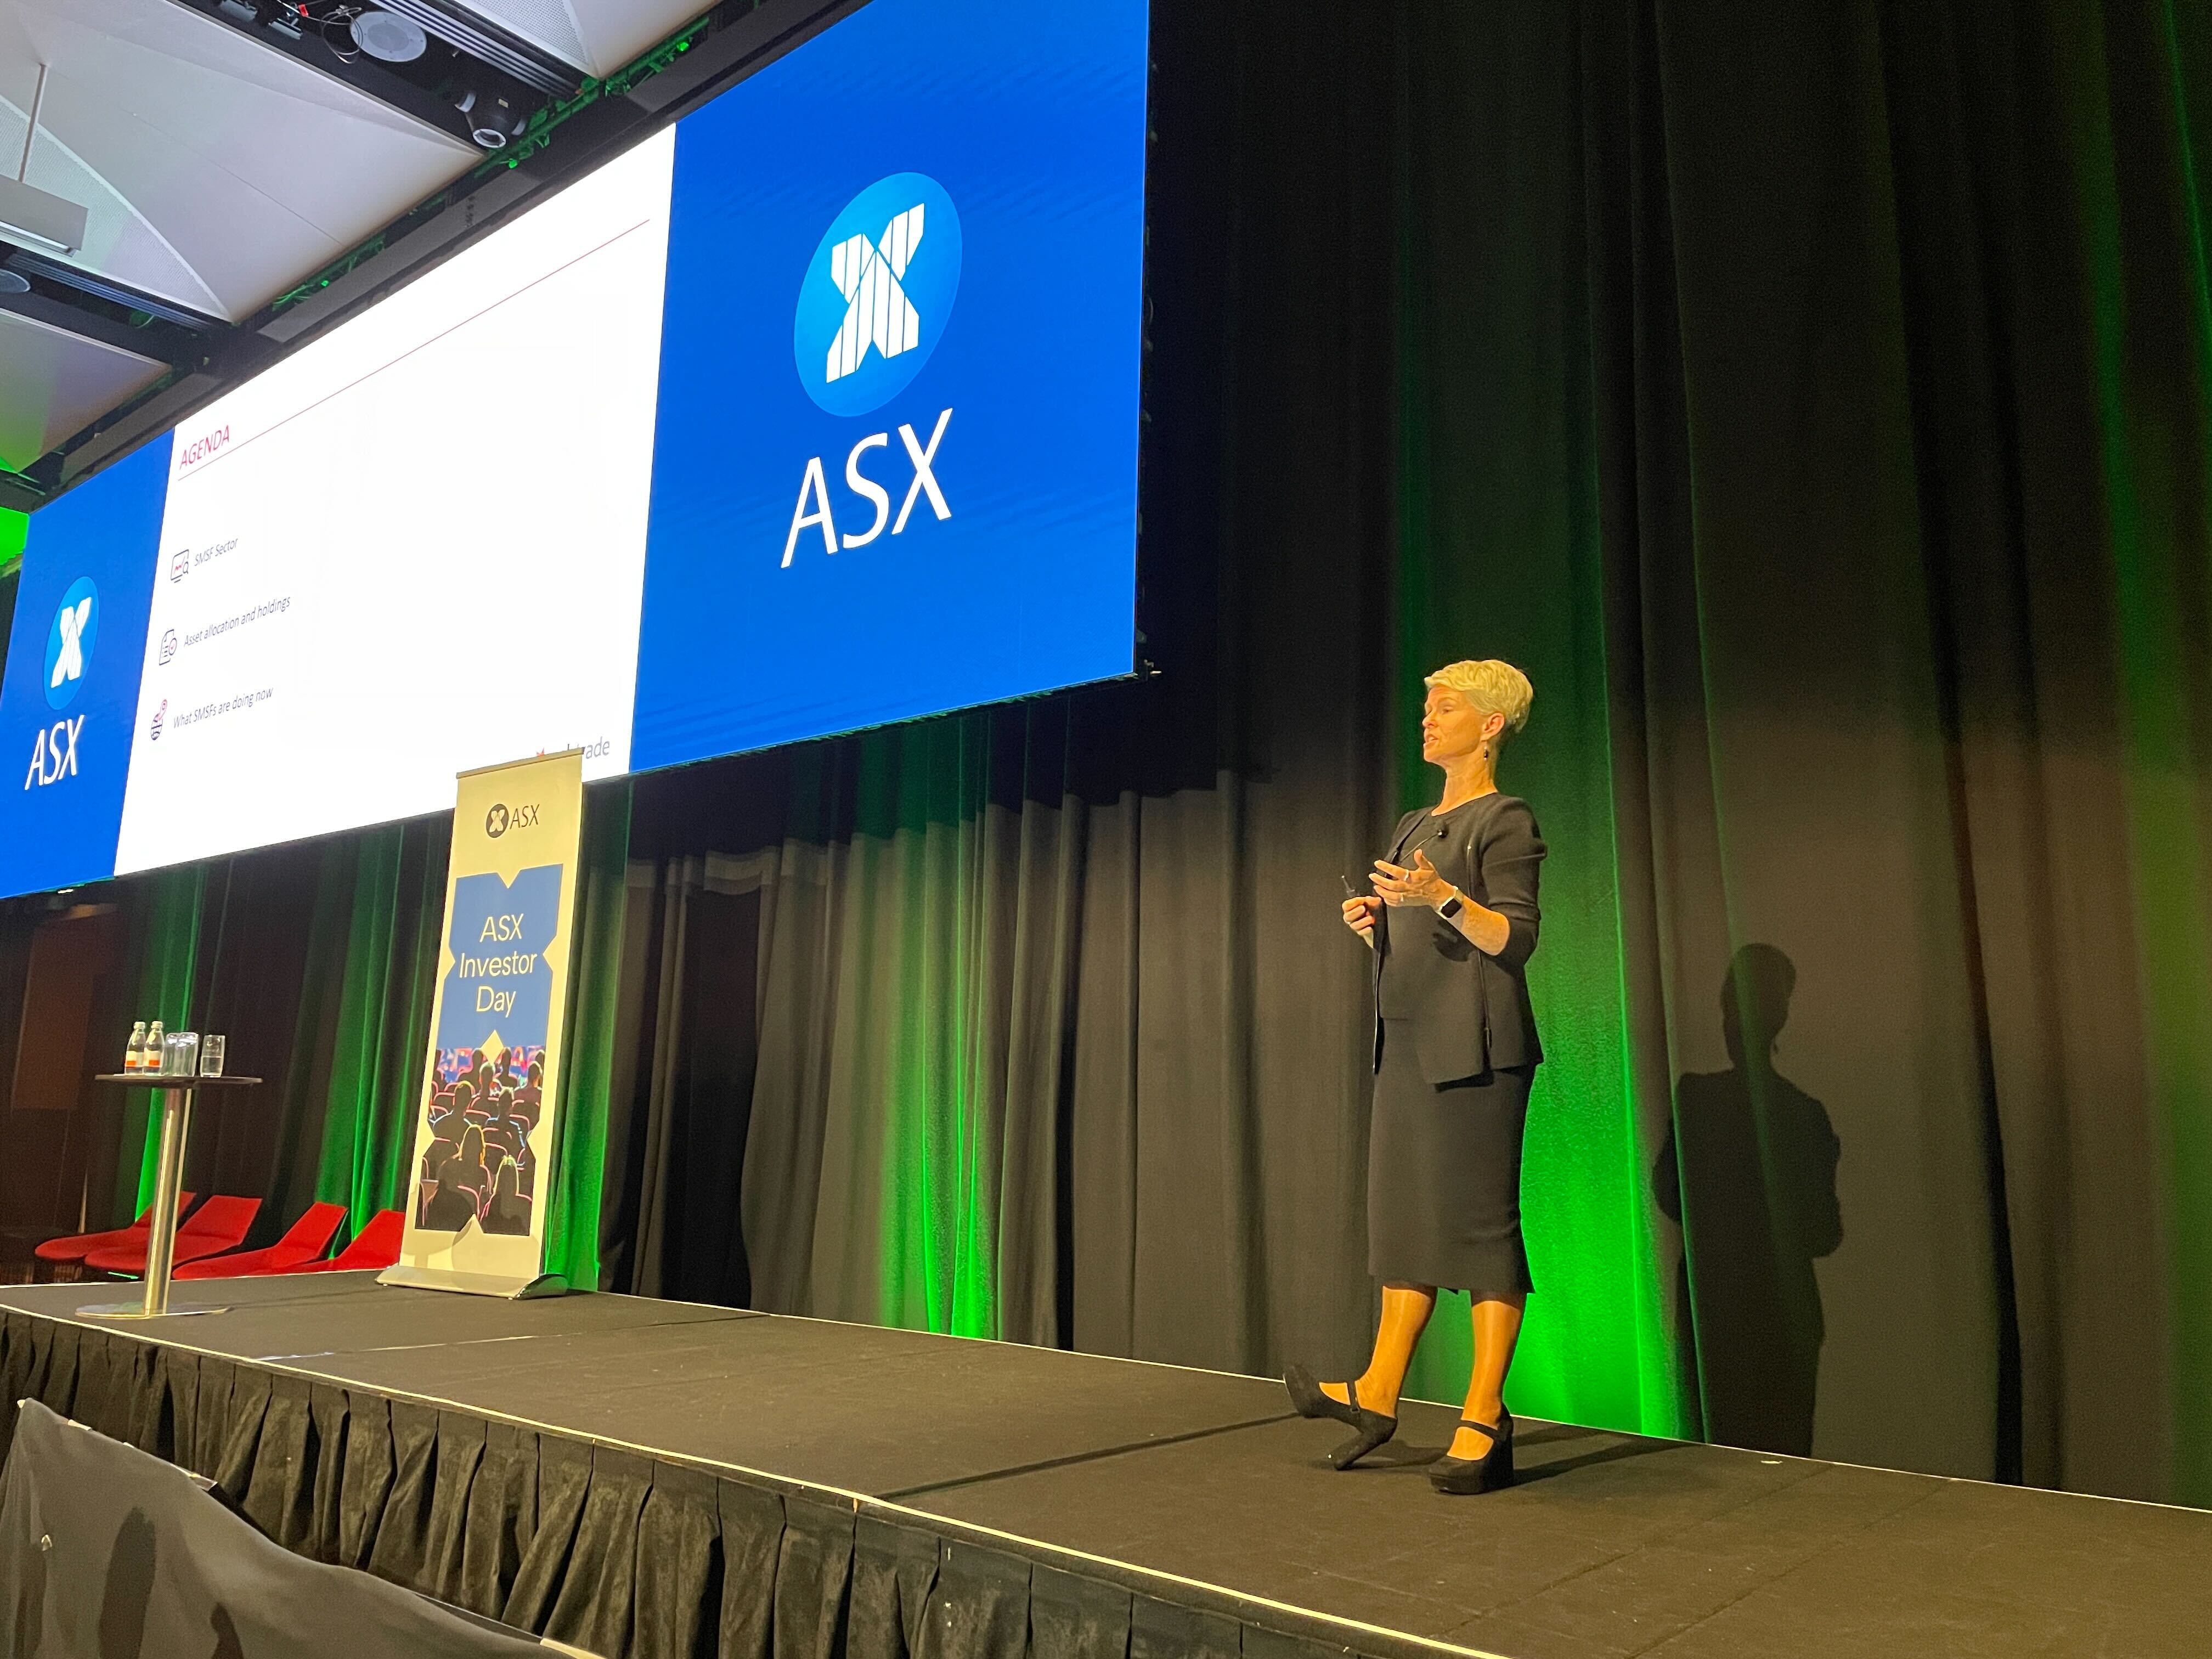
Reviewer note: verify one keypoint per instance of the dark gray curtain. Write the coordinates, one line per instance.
(686, 1050)
(1900, 334)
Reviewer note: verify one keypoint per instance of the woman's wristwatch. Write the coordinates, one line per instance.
(1451, 907)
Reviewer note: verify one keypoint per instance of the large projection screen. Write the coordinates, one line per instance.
(816, 410)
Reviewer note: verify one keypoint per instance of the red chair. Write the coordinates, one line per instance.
(376, 1245)
(78, 1246)
(219, 1225)
(309, 1237)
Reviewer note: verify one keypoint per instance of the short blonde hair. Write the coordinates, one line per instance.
(1493, 687)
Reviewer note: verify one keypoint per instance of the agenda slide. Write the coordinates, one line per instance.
(415, 547)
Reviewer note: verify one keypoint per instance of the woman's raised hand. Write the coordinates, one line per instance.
(1359, 915)
(1418, 884)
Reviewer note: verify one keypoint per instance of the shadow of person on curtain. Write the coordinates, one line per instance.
(1748, 1173)
(129, 1588)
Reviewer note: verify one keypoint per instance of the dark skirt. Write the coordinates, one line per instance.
(1444, 1175)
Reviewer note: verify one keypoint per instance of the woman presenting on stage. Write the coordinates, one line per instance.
(1452, 923)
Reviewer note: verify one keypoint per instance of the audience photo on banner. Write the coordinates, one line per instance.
(483, 1103)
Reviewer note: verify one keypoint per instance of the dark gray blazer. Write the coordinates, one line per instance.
(1470, 1011)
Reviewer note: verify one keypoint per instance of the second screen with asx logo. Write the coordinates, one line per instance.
(896, 467)
(70, 691)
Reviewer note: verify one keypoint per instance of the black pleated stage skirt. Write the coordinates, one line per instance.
(1444, 1175)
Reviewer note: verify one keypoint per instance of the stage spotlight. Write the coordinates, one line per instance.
(390, 37)
(493, 120)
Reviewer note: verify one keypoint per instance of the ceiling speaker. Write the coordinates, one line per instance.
(391, 39)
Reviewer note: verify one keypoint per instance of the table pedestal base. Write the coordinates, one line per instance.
(138, 1310)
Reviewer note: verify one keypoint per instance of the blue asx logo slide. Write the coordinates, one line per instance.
(70, 691)
(896, 467)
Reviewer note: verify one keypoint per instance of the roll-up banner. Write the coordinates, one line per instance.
(485, 1140)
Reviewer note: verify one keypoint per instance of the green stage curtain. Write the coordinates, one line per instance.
(319, 960)
(1500, 555)
(1814, 396)
(595, 977)
(932, 940)
(323, 969)
(168, 926)
(380, 1046)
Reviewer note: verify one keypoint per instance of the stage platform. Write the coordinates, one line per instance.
(1196, 1493)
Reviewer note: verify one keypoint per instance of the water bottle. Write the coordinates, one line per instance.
(134, 1052)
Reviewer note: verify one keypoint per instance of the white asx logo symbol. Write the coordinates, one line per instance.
(877, 293)
(69, 641)
(876, 310)
(69, 662)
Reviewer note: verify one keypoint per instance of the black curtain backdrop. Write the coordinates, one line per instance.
(1812, 397)
(1898, 336)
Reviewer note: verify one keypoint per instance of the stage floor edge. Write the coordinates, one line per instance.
(1201, 1489)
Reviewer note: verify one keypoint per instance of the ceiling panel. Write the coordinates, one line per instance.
(217, 173)
(53, 383)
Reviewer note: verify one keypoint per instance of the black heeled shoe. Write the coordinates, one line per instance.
(1374, 1429)
(1493, 1469)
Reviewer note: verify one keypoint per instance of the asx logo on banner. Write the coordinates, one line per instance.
(70, 640)
(871, 310)
(501, 818)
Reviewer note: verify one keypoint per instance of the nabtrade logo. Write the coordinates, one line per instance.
(70, 640)
(878, 295)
